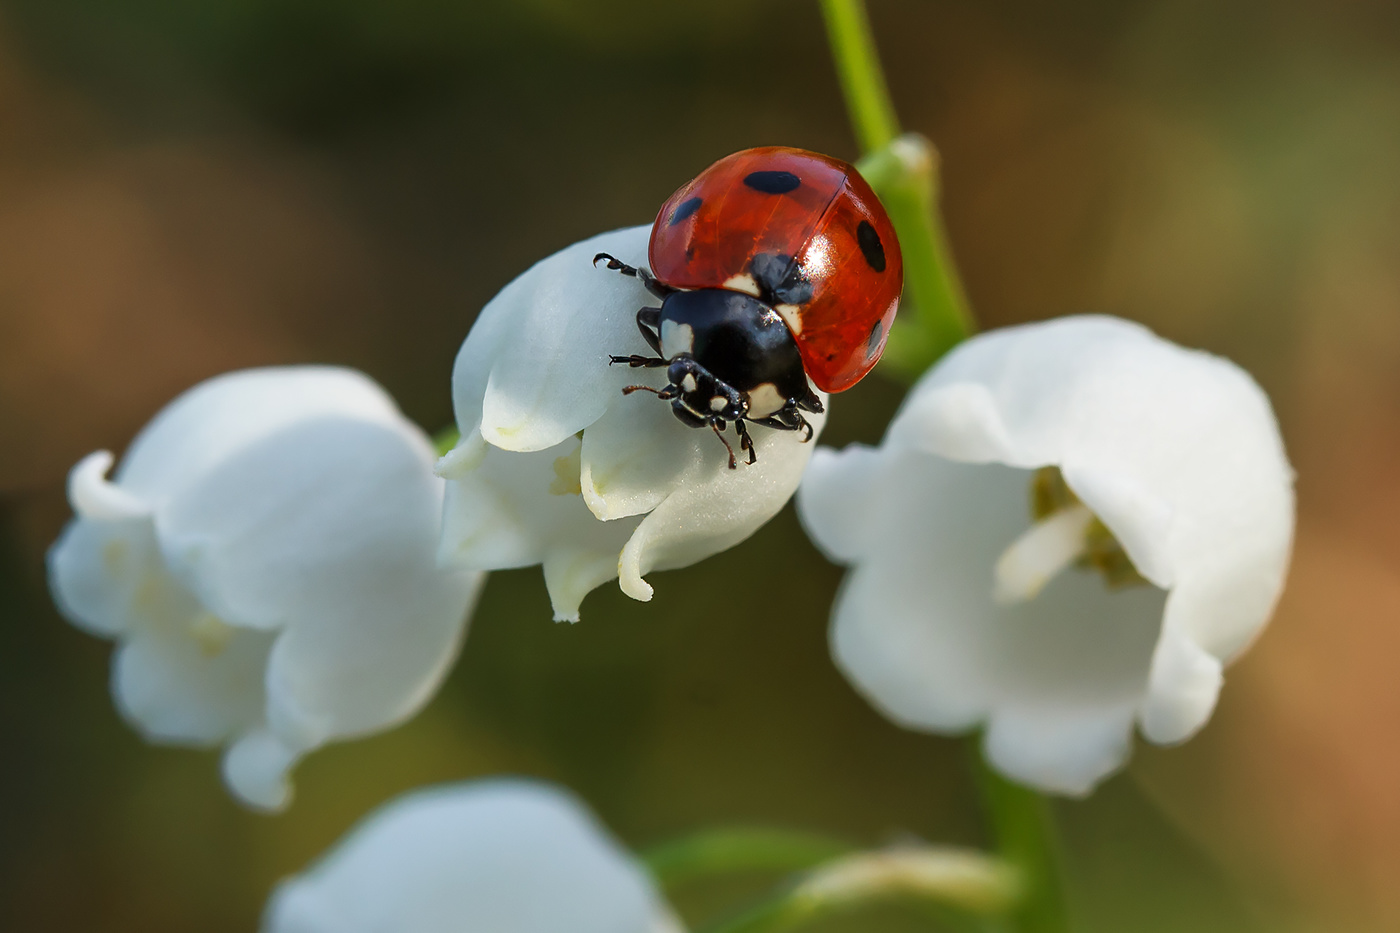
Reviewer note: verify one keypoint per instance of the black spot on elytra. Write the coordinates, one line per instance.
(872, 343)
(684, 210)
(870, 246)
(772, 182)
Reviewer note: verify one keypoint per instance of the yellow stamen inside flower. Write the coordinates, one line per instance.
(1065, 533)
(212, 633)
(566, 480)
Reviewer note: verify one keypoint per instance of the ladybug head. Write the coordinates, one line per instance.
(703, 397)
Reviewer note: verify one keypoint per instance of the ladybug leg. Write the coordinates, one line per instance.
(787, 419)
(811, 402)
(717, 425)
(745, 442)
(634, 361)
(649, 323)
(648, 320)
(617, 265)
(774, 421)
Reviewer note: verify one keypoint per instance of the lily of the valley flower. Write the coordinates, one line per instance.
(1069, 528)
(496, 856)
(265, 558)
(557, 467)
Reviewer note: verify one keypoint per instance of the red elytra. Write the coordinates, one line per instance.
(830, 222)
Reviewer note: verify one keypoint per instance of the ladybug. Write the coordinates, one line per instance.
(774, 266)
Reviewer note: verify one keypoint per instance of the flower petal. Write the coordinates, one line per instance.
(1064, 751)
(1177, 452)
(838, 495)
(222, 415)
(571, 573)
(489, 504)
(191, 685)
(958, 421)
(715, 508)
(1182, 690)
(637, 453)
(371, 658)
(1159, 436)
(257, 767)
(93, 496)
(107, 575)
(915, 626)
(508, 856)
(546, 339)
(517, 509)
(267, 557)
(1140, 521)
(293, 523)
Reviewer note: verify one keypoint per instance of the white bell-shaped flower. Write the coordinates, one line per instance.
(493, 856)
(557, 467)
(265, 558)
(1028, 480)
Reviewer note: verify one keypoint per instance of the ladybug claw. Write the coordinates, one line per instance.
(746, 442)
(716, 427)
(635, 361)
(646, 278)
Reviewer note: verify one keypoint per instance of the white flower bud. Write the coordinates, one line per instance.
(497, 856)
(265, 559)
(557, 467)
(964, 609)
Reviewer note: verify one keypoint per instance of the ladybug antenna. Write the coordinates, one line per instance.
(666, 393)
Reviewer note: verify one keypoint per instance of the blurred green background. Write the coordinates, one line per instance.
(191, 186)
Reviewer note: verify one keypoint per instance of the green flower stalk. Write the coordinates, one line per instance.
(903, 170)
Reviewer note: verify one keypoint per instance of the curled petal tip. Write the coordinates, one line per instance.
(256, 770)
(94, 496)
(462, 459)
(629, 573)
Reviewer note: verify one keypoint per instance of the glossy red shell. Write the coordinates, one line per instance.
(841, 329)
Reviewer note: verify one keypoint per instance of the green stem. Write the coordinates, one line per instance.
(739, 848)
(862, 79)
(1025, 834)
(903, 172)
(936, 316)
(969, 883)
(446, 439)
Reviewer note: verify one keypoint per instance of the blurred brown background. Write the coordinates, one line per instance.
(190, 187)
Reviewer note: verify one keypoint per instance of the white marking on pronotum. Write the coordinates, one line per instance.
(742, 283)
(792, 317)
(676, 339)
(688, 383)
(764, 400)
(718, 402)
